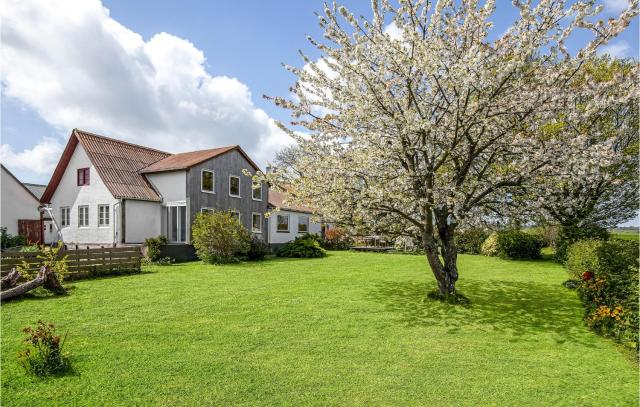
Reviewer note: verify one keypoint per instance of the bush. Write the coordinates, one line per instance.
(48, 256)
(490, 245)
(154, 247)
(257, 250)
(608, 287)
(302, 247)
(337, 239)
(512, 244)
(43, 355)
(7, 240)
(219, 237)
(470, 240)
(568, 235)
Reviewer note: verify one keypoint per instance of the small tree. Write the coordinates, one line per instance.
(419, 132)
(218, 236)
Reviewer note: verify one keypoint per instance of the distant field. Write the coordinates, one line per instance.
(625, 235)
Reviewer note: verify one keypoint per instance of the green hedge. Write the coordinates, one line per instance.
(568, 235)
(306, 246)
(512, 244)
(607, 272)
(470, 240)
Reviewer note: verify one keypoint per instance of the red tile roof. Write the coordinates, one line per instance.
(118, 164)
(186, 160)
(277, 200)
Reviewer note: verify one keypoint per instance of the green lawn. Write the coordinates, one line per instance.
(351, 329)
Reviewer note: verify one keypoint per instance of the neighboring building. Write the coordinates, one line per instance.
(106, 191)
(289, 221)
(36, 189)
(19, 214)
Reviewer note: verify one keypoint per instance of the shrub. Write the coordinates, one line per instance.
(608, 287)
(154, 247)
(7, 240)
(257, 249)
(302, 247)
(336, 238)
(51, 257)
(567, 235)
(512, 244)
(548, 234)
(470, 240)
(218, 237)
(490, 245)
(43, 355)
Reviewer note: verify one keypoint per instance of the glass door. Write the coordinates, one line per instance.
(177, 224)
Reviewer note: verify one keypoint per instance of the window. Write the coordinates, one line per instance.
(207, 210)
(234, 186)
(83, 216)
(303, 224)
(207, 182)
(257, 192)
(177, 224)
(103, 215)
(282, 224)
(83, 176)
(65, 216)
(235, 214)
(256, 222)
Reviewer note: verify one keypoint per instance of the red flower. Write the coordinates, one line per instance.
(587, 275)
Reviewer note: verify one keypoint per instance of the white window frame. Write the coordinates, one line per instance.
(108, 216)
(64, 209)
(253, 229)
(207, 209)
(308, 222)
(239, 184)
(253, 189)
(213, 180)
(288, 223)
(80, 225)
(238, 212)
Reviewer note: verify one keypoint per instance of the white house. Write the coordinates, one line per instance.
(106, 191)
(289, 221)
(19, 214)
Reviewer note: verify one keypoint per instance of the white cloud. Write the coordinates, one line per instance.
(40, 159)
(393, 31)
(615, 6)
(619, 49)
(77, 67)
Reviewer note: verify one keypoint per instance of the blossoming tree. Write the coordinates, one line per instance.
(416, 122)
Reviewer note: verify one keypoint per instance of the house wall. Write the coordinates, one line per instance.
(278, 238)
(231, 163)
(96, 193)
(142, 220)
(15, 203)
(171, 185)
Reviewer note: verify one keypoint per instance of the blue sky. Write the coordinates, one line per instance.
(244, 44)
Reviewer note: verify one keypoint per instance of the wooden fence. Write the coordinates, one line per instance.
(81, 262)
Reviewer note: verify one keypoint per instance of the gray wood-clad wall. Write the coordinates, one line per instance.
(231, 163)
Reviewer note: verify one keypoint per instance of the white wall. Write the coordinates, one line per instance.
(171, 185)
(142, 220)
(96, 193)
(276, 237)
(15, 203)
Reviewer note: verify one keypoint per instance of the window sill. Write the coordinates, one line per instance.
(235, 196)
(257, 200)
(208, 192)
(282, 231)
(257, 231)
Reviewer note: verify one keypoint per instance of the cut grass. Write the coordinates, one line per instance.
(626, 235)
(350, 329)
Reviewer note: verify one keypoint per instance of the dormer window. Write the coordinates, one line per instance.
(83, 176)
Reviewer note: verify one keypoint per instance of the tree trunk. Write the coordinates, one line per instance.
(445, 270)
(45, 277)
(10, 280)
